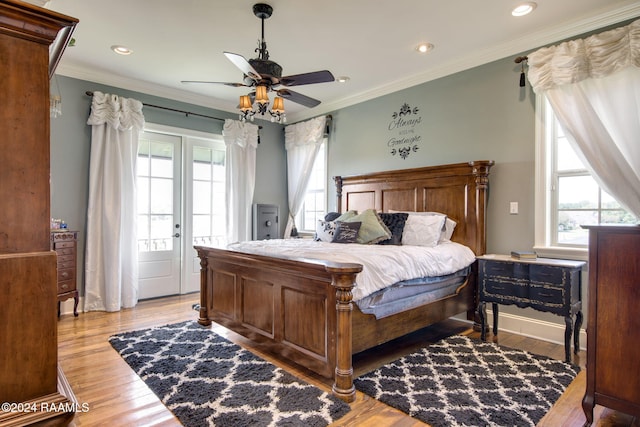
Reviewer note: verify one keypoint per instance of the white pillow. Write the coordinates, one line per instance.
(449, 225)
(423, 230)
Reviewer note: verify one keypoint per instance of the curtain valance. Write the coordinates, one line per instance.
(118, 112)
(593, 57)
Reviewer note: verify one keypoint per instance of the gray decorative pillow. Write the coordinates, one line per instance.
(346, 232)
(395, 223)
(331, 216)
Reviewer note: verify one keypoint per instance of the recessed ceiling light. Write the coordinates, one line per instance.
(524, 8)
(121, 50)
(424, 47)
(343, 79)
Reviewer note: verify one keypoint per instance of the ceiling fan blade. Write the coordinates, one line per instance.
(307, 78)
(244, 66)
(298, 98)
(215, 83)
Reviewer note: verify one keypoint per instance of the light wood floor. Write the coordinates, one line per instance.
(115, 396)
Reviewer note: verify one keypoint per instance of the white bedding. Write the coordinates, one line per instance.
(383, 265)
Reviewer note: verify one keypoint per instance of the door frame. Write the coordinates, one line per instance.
(189, 262)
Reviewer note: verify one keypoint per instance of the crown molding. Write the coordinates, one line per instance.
(513, 47)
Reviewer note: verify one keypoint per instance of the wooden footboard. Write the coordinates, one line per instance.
(302, 309)
(298, 309)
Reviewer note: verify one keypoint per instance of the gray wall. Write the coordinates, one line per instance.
(478, 114)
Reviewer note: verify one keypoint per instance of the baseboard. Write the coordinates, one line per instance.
(534, 328)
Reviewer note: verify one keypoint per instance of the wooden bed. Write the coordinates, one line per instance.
(302, 310)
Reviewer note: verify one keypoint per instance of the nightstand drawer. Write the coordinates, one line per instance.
(506, 269)
(547, 299)
(548, 275)
(499, 289)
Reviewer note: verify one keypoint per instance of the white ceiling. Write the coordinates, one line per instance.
(371, 42)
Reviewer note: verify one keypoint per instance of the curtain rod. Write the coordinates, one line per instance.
(187, 113)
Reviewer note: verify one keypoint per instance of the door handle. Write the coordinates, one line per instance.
(176, 235)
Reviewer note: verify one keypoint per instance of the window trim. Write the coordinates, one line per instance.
(543, 189)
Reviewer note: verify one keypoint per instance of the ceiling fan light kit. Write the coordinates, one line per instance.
(266, 76)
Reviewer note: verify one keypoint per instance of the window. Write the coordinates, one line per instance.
(315, 202)
(567, 196)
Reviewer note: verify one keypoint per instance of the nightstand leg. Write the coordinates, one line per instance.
(494, 306)
(576, 333)
(482, 314)
(568, 321)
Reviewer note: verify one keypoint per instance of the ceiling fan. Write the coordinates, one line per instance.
(262, 73)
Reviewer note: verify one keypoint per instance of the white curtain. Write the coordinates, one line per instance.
(593, 86)
(111, 267)
(241, 141)
(302, 142)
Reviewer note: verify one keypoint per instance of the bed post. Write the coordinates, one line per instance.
(343, 280)
(338, 182)
(204, 263)
(481, 172)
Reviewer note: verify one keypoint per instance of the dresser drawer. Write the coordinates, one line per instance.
(64, 244)
(69, 263)
(66, 286)
(66, 258)
(66, 251)
(66, 274)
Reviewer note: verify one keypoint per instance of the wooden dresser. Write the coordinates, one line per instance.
(613, 326)
(31, 42)
(65, 244)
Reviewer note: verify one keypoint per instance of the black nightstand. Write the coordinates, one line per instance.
(550, 285)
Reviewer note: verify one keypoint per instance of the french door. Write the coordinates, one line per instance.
(180, 184)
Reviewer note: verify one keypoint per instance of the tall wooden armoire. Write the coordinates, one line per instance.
(32, 40)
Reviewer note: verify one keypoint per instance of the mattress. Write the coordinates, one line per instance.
(413, 293)
(382, 265)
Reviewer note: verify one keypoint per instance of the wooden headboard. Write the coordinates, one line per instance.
(458, 190)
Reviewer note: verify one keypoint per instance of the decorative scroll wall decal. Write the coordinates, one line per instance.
(403, 124)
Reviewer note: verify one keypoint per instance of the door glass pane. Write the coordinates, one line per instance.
(202, 197)
(208, 197)
(161, 195)
(155, 195)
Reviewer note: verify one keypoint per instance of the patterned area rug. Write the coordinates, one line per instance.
(463, 382)
(206, 380)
